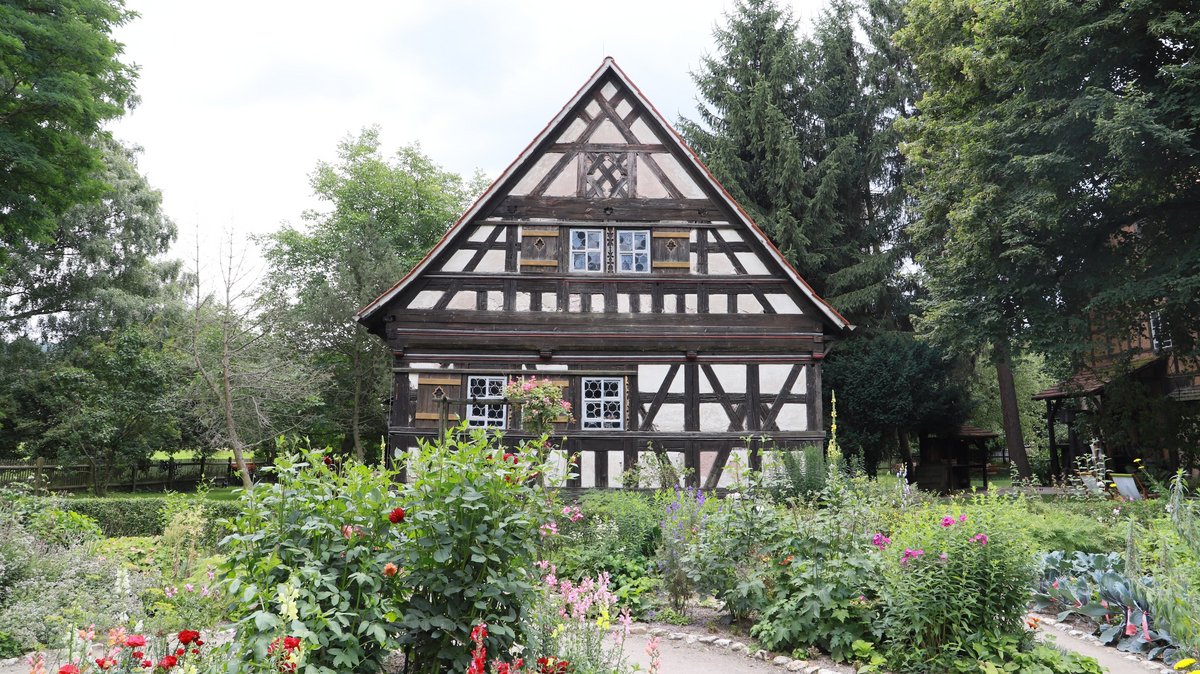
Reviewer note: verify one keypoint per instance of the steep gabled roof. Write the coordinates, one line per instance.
(499, 188)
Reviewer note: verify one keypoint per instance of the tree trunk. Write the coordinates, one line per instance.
(356, 409)
(1008, 407)
(235, 442)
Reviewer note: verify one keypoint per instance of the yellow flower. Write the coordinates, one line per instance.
(1185, 663)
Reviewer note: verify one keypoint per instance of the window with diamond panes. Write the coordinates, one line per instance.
(633, 250)
(587, 250)
(486, 414)
(603, 403)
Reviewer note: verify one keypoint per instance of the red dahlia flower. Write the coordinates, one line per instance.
(396, 516)
(167, 662)
(188, 636)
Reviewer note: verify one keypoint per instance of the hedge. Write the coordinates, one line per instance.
(140, 516)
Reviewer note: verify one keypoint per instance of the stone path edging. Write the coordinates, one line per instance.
(1095, 641)
(786, 663)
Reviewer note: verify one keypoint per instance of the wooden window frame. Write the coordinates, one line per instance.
(584, 418)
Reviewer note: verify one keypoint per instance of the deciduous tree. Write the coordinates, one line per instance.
(1058, 162)
(61, 78)
(384, 214)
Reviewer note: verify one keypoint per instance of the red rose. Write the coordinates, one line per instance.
(195, 651)
(138, 655)
(188, 636)
(167, 662)
(179, 652)
(198, 642)
(396, 516)
(68, 669)
(135, 640)
(147, 664)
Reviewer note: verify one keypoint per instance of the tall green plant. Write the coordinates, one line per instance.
(1171, 555)
(953, 579)
(472, 542)
(310, 556)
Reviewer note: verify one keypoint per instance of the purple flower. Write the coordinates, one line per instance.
(947, 521)
(880, 541)
(981, 539)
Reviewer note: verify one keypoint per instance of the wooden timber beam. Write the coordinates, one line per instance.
(607, 209)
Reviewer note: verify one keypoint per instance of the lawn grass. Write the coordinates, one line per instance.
(193, 455)
(214, 494)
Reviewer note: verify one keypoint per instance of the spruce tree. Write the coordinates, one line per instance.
(748, 133)
(798, 133)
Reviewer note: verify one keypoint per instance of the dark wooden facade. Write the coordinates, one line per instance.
(608, 259)
(1148, 357)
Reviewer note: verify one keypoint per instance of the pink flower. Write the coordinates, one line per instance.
(947, 521)
(880, 541)
(910, 554)
(943, 556)
(981, 539)
(962, 518)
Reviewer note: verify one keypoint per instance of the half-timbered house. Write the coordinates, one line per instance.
(610, 260)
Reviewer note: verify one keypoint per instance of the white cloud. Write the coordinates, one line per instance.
(240, 100)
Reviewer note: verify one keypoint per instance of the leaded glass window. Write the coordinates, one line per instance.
(587, 250)
(603, 403)
(633, 250)
(485, 408)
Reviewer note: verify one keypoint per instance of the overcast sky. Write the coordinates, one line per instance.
(240, 100)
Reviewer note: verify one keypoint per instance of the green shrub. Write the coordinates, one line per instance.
(10, 646)
(955, 577)
(59, 527)
(47, 589)
(797, 474)
(825, 582)
(307, 558)
(1170, 552)
(120, 516)
(634, 515)
(725, 557)
(472, 540)
(682, 513)
(127, 516)
(618, 535)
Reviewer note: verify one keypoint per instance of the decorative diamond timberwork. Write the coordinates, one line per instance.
(439, 392)
(606, 174)
(671, 245)
(540, 243)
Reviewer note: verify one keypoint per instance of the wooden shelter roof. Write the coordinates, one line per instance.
(1090, 381)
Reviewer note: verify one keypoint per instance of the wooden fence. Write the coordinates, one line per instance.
(167, 475)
